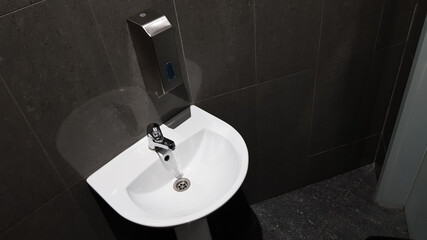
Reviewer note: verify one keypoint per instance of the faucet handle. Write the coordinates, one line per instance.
(157, 140)
(153, 130)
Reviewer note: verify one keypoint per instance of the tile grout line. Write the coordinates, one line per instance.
(284, 76)
(392, 45)
(315, 80)
(256, 70)
(45, 153)
(400, 68)
(397, 77)
(67, 189)
(183, 51)
(23, 8)
(255, 85)
(331, 149)
(383, 145)
(257, 117)
(226, 93)
(32, 213)
(255, 43)
(81, 211)
(378, 30)
(366, 137)
(34, 133)
(103, 43)
(372, 60)
(345, 144)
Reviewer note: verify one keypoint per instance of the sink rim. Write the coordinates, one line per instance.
(117, 195)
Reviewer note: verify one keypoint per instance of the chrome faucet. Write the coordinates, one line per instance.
(156, 140)
(164, 148)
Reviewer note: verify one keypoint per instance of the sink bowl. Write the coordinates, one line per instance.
(212, 155)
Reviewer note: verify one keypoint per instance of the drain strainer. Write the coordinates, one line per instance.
(181, 184)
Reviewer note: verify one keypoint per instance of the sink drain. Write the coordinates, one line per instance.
(181, 184)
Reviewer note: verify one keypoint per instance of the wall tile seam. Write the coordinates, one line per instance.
(103, 43)
(312, 66)
(394, 86)
(367, 137)
(407, 31)
(345, 144)
(81, 211)
(411, 56)
(276, 79)
(348, 59)
(380, 144)
(22, 8)
(255, 42)
(330, 149)
(67, 189)
(33, 132)
(183, 53)
(262, 173)
(29, 215)
(398, 72)
(389, 46)
(390, 99)
(224, 94)
(257, 119)
(257, 171)
(378, 29)
(414, 14)
(383, 144)
(254, 85)
(259, 140)
(379, 135)
(373, 55)
(316, 73)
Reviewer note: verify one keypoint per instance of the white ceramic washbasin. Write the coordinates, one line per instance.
(213, 156)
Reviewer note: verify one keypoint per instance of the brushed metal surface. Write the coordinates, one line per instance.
(157, 26)
(154, 43)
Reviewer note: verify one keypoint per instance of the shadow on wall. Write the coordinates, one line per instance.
(98, 130)
(102, 127)
(195, 76)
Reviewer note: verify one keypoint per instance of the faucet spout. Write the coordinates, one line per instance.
(164, 148)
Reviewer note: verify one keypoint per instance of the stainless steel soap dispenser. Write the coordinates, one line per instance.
(153, 40)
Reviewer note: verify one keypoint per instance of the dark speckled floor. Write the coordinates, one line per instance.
(338, 208)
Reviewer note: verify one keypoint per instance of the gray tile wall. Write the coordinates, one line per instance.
(409, 41)
(325, 73)
(72, 98)
(307, 83)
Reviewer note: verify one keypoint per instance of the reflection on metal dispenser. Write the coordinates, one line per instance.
(154, 43)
